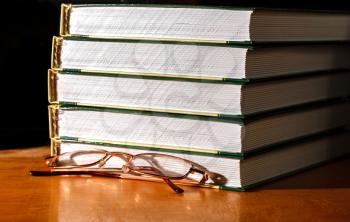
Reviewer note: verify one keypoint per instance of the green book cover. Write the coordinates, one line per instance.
(238, 120)
(244, 23)
(314, 139)
(339, 76)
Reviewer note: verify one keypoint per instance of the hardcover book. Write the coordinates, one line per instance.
(228, 172)
(189, 82)
(194, 60)
(194, 133)
(203, 24)
(193, 96)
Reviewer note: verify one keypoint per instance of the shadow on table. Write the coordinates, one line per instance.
(334, 174)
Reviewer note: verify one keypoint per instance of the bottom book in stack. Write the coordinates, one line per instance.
(233, 172)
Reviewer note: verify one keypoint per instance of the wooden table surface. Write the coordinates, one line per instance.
(320, 194)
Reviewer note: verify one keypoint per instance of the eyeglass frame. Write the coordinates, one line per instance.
(127, 168)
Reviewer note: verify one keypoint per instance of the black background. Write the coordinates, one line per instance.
(27, 28)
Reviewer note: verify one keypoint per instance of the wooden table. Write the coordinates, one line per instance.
(321, 194)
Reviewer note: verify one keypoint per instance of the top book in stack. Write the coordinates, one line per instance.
(203, 24)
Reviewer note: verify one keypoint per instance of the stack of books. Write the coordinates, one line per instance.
(249, 94)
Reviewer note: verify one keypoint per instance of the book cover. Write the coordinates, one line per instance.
(319, 149)
(238, 145)
(248, 25)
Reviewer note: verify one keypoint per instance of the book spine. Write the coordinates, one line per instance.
(56, 52)
(52, 85)
(53, 121)
(55, 147)
(64, 24)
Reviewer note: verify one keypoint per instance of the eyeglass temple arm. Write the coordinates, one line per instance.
(173, 186)
(53, 172)
(166, 179)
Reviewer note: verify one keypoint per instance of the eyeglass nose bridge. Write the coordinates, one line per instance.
(126, 157)
(104, 160)
(125, 168)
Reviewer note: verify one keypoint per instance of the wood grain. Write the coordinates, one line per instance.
(321, 194)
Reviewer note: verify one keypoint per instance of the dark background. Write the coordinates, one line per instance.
(26, 30)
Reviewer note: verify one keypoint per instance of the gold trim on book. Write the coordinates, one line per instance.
(150, 109)
(58, 69)
(65, 14)
(148, 145)
(52, 85)
(55, 146)
(150, 74)
(56, 52)
(148, 38)
(53, 121)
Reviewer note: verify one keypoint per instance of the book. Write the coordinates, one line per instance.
(250, 94)
(193, 96)
(228, 172)
(191, 132)
(194, 60)
(203, 24)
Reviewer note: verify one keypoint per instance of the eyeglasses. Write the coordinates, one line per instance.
(154, 165)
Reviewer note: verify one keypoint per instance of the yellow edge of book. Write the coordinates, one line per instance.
(55, 66)
(53, 121)
(52, 87)
(64, 24)
(56, 52)
(145, 38)
(155, 74)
